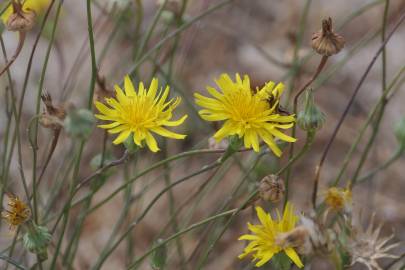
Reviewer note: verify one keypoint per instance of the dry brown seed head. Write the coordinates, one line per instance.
(326, 42)
(272, 188)
(20, 20)
(52, 116)
(102, 92)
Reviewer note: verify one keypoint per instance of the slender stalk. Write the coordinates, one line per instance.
(93, 55)
(107, 253)
(398, 154)
(174, 236)
(348, 106)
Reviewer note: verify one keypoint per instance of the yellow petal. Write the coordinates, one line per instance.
(294, 257)
(153, 88)
(151, 142)
(166, 133)
(129, 87)
(122, 137)
(281, 135)
(175, 123)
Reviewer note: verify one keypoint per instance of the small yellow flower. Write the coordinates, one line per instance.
(38, 6)
(249, 113)
(338, 198)
(265, 238)
(17, 213)
(140, 113)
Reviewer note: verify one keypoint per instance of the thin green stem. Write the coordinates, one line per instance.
(174, 236)
(93, 55)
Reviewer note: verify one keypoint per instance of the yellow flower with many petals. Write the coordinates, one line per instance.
(140, 114)
(38, 6)
(249, 113)
(264, 240)
(17, 212)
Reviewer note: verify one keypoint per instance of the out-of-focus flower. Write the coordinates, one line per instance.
(326, 42)
(140, 113)
(272, 188)
(266, 238)
(17, 213)
(20, 15)
(366, 246)
(338, 198)
(251, 114)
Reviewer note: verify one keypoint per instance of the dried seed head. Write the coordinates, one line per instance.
(326, 42)
(272, 188)
(297, 238)
(338, 199)
(20, 20)
(17, 213)
(53, 116)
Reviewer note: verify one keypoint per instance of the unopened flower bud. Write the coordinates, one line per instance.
(400, 132)
(36, 240)
(79, 123)
(311, 118)
(326, 42)
(20, 20)
(272, 188)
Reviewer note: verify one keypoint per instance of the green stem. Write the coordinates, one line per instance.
(93, 55)
(174, 236)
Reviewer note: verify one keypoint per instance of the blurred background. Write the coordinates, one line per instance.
(267, 39)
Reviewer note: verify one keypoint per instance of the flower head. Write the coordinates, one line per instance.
(28, 6)
(265, 240)
(140, 113)
(338, 198)
(326, 42)
(249, 113)
(17, 213)
(366, 246)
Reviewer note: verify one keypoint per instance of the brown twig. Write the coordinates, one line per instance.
(348, 106)
(21, 39)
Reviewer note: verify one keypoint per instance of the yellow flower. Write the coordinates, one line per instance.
(338, 198)
(265, 238)
(18, 212)
(249, 113)
(140, 113)
(38, 6)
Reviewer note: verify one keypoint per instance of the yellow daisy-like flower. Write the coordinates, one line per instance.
(140, 113)
(264, 240)
(338, 198)
(38, 6)
(17, 213)
(249, 113)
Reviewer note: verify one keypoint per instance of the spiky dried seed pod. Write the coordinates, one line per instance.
(272, 188)
(53, 116)
(20, 20)
(326, 42)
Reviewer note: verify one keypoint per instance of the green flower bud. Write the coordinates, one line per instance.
(235, 143)
(311, 118)
(36, 240)
(79, 123)
(400, 131)
(159, 256)
(130, 145)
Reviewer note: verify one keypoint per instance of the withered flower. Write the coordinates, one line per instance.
(20, 20)
(326, 42)
(17, 213)
(366, 246)
(272, 188)
(53, 116)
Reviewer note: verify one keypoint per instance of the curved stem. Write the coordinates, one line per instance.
(21, 39)
(348, 106)
(107, 253)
